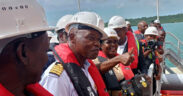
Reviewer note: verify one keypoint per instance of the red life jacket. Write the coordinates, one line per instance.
(130, 30)
(4, 91)
(128, 73)
(137, 32)
(145, 42)
(139, 35)
(131, 45)
(35, 89)
(68, 56)
(161, 28)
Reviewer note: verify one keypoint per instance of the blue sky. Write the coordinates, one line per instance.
(107, 8)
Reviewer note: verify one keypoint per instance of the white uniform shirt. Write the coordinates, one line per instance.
(62, 85)
(122, 47)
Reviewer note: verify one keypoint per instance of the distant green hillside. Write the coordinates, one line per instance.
(163, 19)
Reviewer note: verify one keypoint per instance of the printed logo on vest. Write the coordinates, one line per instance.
(90, 91)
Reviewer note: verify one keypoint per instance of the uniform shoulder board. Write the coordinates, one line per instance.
(57, 69)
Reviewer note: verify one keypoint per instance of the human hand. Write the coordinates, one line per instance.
(126, 58)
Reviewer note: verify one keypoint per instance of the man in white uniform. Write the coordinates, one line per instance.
(75, 74)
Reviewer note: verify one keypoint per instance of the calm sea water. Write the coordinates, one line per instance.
(177, 30)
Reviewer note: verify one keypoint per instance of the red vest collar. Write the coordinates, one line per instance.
(161, 28)
(35, 89)
(64, 51)
(102, 54)
(131, 45)
(4, 91)
(137, 32)
(68, 56)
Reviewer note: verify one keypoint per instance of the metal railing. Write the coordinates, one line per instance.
(179, 43)
(175, 56)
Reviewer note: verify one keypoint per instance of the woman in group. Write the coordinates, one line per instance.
(113, 67)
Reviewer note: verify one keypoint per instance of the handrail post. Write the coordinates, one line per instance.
(178, 45)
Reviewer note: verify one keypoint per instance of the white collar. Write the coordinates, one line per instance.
(86, 65)
(124, 43)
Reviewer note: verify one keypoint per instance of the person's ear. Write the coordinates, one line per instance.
(60, 35)
(22, 53)
(72, 35)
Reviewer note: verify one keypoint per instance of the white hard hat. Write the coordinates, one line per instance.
(90, 19)
(21, 17)
(127, 22)
(110, 32)
(50, 34)
(156, 21)
(54, 39)
(63, 21)
(117, 22)
(151, 31)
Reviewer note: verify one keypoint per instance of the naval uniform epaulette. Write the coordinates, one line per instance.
(57, 69)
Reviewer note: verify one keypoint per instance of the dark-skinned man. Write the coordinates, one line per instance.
(23, 42)
(127, 41)
(129, 26)
(142, 26)
(151, 54)
(75, 74)
(61, 37)
(161, 36)
(157, 24)
(61, 33)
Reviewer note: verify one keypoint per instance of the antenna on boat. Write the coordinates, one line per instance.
(79, 5)
(157, 7)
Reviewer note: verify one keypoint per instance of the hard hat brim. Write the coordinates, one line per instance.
(57, 28)
(151, 34)
(112, 36)
(13, 34)
(114, 27)
(104, 35)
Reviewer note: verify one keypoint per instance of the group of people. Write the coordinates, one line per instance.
(87, 60)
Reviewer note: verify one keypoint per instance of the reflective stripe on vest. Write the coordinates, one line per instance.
(137, 43)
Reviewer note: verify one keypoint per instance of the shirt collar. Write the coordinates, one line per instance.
(124, 43)
(86, 65)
